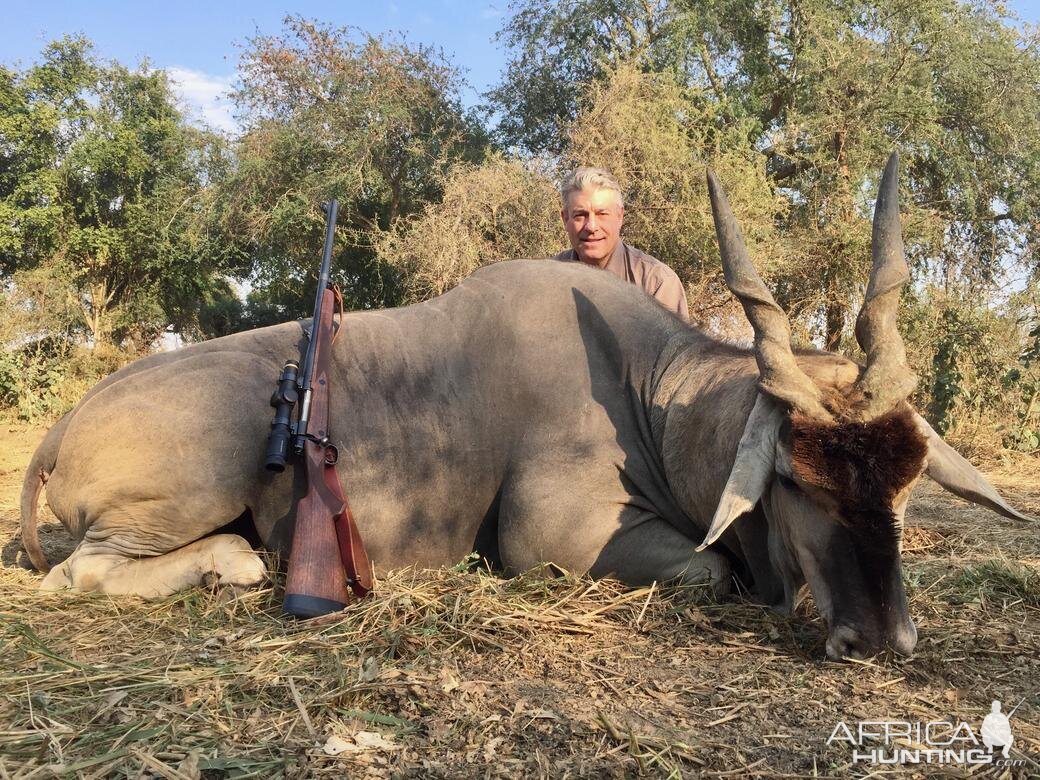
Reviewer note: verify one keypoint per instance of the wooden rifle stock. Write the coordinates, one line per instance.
(316, 583)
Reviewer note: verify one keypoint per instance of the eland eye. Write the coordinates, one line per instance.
(787, 482)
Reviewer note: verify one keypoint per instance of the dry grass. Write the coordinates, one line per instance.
(456, 673)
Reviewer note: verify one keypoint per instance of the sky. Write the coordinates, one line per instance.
(198, 43)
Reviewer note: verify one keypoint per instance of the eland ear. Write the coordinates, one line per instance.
(947, 467)
(752, 468)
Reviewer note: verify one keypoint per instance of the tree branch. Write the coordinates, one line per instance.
(782, 168)
(709, 70)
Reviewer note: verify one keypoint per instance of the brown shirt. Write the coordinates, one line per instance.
(628, 263)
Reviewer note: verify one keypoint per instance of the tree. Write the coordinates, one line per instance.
(100, 183)
(330, 113)
(498, 210)
(819, 92)
(560, 49)
(41, 113)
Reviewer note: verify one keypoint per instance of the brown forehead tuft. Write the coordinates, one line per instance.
(864, 464)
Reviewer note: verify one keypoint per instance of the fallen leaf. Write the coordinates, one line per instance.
(542, 714)
(335, 745)
(113, 699)
(373, 740)
(369, 669)
(491, 748)
(449, 681)
(189, 767)
(477, 687)
(363, 741)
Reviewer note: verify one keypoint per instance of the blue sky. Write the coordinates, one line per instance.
(197, 41)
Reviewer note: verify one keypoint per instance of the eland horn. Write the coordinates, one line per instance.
(887, 379)
(779, 374)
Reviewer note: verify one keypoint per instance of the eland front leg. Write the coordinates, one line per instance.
(647, 549)
(600, 530)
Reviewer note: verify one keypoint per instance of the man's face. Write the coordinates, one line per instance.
(593, 221)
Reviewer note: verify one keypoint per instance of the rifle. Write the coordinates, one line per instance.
(327, 554)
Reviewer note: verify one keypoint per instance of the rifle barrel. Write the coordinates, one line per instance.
(331, 210)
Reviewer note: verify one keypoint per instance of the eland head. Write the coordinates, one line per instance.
(832, 449)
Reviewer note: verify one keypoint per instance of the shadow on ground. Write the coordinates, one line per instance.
(56, 542)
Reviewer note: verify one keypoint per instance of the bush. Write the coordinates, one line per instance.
(38, 384)
(979, 369)
(499, 210)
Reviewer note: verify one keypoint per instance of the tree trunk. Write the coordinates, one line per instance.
(842, 217)
(834, 324)
(95, 313)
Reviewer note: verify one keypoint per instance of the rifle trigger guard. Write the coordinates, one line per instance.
(331, 454)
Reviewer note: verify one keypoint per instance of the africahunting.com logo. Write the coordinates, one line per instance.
(930, 742)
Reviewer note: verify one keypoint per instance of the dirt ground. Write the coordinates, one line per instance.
(456, 673)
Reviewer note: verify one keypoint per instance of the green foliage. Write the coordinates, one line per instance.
(946, 386)
(979, 387)
(43, 369)
(333, 113)
(1025, 380)
(222, 311)
(29, 384)
(41, 111)
(797, 106)
(817, 93)
(100, 183)
(41, 381)
(101, 242)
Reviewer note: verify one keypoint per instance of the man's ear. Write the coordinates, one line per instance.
(563, 215)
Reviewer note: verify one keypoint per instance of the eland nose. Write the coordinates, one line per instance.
(847, 642)
(904, 639)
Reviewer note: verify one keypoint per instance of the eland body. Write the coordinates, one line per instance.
(538, 412)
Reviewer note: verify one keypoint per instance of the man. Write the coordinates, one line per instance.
(593, 212)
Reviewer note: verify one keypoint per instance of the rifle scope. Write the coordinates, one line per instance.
(283, 400)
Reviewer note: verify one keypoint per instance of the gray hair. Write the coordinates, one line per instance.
(590, 179)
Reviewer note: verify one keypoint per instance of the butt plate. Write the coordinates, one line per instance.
(303, 607)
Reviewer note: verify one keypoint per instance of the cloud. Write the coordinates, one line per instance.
(205, 97)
